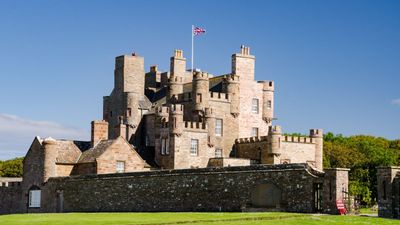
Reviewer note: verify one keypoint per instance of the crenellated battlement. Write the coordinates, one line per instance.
(251, 139)
(316, 133)
(176, 80)
(296, 139)
(200, 75)
(195, 125)
(219, 96)
(231, 78)
(176, 109)
(274, 130)
(162, 111)
(267, 85)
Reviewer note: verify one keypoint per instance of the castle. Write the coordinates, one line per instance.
(178, 130)
(181, 119)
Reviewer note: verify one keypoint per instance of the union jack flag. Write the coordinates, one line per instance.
(198, 30)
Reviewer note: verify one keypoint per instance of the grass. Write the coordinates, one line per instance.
(186, 218)
(368, 211)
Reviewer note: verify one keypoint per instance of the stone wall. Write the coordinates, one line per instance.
(208, 189)
(388, 192)
(10, 199)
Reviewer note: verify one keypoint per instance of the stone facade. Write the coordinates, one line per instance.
(389, 192)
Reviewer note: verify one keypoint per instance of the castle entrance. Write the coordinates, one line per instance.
(317, 197)
(60, 201)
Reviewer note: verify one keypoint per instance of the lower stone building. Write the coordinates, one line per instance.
(284, 187)
(389, 192)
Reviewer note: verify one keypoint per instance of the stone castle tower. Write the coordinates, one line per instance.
(183, 118)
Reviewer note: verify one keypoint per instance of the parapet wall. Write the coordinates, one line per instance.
(184, 190)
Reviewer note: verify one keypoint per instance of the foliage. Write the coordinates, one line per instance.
(11, 168)
(362, 154)
(275, 218)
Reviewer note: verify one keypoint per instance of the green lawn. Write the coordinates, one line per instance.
(185, 218)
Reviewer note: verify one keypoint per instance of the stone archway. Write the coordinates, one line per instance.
(266, 195)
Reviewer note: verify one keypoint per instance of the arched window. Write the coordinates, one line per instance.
(35, 195)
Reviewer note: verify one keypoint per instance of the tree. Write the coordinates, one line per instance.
(11, 168)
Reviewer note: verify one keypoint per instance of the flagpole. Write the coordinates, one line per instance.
(192, 46)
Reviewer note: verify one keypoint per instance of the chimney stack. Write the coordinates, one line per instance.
(99, 131)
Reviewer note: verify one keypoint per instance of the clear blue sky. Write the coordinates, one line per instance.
(336, 64)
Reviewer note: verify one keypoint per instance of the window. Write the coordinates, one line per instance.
(218, 127)
(164, 146)
(254, 132)
(194, 147)
(254, 105)
(34, 198)
(198, 98)
(218, 153)
(120, 166)
(129, 112)
(269, 104)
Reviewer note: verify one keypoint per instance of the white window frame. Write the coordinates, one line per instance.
(218, 127)
(218, 153)
(194, 147)
(120, 166)
(255, 105)
(254, 131)
(35, 198)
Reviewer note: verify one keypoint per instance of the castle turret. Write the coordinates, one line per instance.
(317, 135)
(272, 154)
(162, 114)
(129, 74)
(176, 119)
(200, 90)
(128, 90)
(231, 85)
(210, 120)
(131, 115)
(176, 80)
(50, 152)
(268, 101)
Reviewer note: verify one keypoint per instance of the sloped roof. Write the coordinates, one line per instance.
(68, 152)
(92, 154)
